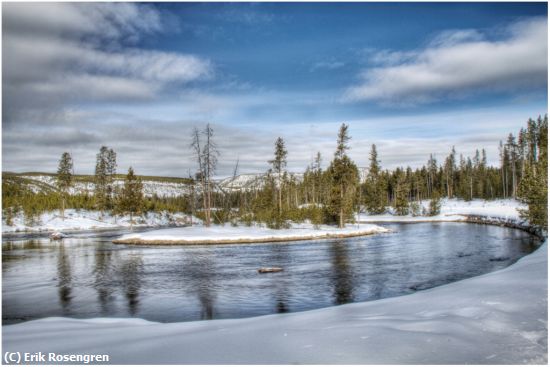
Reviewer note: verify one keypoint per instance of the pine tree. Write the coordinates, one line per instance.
(344, 180)
(64, 179)
(131, 196)
(533, 188)
(435, 204)
(401, 204)
(375, 199)
(278, 164)
(105, 170)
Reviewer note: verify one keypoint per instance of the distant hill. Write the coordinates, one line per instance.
(152, 185)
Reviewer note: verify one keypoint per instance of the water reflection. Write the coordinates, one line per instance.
(280, 257)
(342, 273)
(131, 281)
(103, 279)
(64, 278)
(91, 277)
(204, 283)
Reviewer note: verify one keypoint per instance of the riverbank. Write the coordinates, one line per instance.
(454, 210)
(502, 212)
(245, 234)
(496, 318)
(79, 221)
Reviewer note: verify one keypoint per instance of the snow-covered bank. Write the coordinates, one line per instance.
(497, 318)
(85, 220)
(244, 234)
(505, 210)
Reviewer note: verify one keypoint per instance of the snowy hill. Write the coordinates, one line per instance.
(160, 186)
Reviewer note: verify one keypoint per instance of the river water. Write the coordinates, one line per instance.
(88, 276)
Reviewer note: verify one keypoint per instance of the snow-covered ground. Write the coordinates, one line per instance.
(457, 210)
(497, 318)
(150, 188)
(83, 220)
(230, 234)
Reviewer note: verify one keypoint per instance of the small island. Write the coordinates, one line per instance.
(243, 234)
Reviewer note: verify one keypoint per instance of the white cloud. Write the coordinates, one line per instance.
(59, 53)
(72, 20)
(457, 63)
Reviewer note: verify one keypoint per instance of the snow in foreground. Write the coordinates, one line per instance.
(82, 220)
(497, 318)
(228, 233)
(456, 210)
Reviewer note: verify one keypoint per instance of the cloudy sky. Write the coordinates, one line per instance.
(413, 79)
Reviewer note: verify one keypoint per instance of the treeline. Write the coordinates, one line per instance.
(332, 195)
(17, 196)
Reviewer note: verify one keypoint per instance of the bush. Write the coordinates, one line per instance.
(435, 206)
(415, 209)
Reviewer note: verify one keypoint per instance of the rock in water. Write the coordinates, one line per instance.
(270, 270)
(57, 236)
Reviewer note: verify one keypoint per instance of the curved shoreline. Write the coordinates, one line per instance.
(494, 318)
(136, 241)
(475, 219)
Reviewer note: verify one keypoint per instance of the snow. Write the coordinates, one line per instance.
(504, 210)
(79, 220)
(228, 233)
(496, 318)
(150, 187)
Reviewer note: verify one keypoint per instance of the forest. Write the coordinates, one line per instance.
(323, 196)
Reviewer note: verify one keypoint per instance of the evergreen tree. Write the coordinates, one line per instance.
(533, 188)
(401, 203)
(435, 204)
(375, 198)
(278, 164)
(344, 180)
(64, 179)
(105, 170)
(131, 196)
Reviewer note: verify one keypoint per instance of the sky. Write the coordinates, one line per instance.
(413, 78)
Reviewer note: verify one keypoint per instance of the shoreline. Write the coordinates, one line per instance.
(493, 318)
(222, 241)
(473, 219)
(47, 232)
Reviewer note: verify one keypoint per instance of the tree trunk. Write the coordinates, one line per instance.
(280, 194)
(63, 207)
(341, 224)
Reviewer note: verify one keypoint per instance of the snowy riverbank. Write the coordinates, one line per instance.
(86, 220)
(497, 318)
(454, 210)
(244, 234)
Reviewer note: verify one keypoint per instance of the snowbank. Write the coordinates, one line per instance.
(497, 318)
(452, 210)
(80, 220)
(244, 234)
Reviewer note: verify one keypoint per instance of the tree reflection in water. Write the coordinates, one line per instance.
(279, 258)
(342, 276)
(204, 283)
(103, 279)
(64, 279)
(131, 279)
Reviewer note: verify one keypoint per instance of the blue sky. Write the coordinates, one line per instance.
(413, 78)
